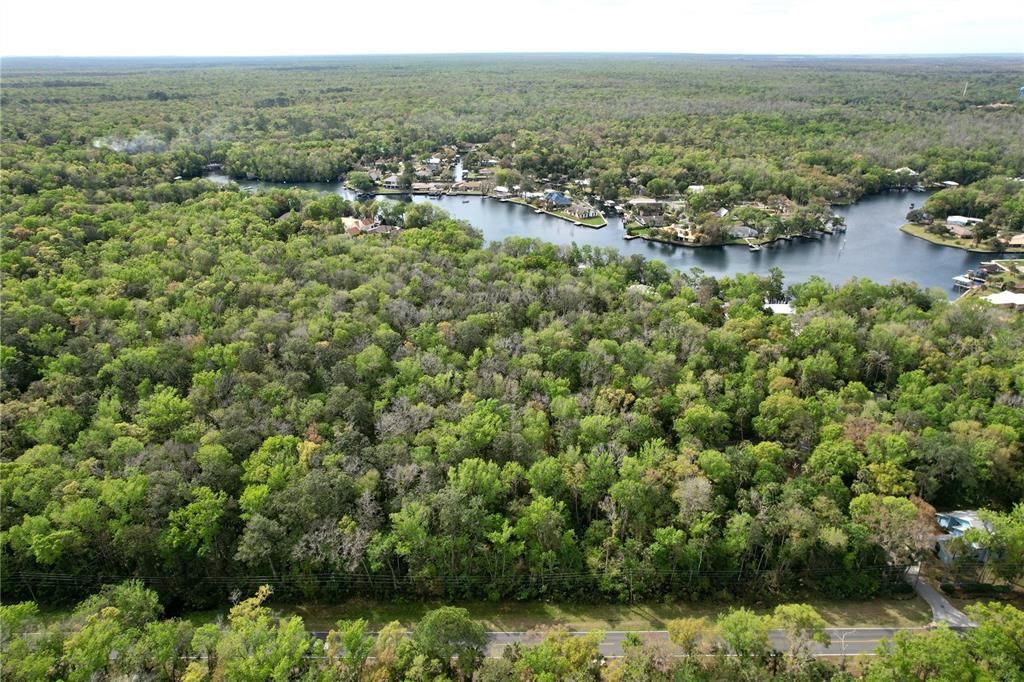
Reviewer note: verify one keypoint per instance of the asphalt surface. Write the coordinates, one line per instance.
(942, 610)
(845, 641)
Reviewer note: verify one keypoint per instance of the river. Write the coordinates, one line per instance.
(872, 247)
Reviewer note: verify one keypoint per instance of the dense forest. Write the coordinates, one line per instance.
(203, 387)
(255, 644)
(798, 127)
(207, 391)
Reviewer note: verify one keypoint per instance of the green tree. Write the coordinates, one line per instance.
(939, 655)
(360, 181)
(802, 625)
(258, 647)
(450, 636)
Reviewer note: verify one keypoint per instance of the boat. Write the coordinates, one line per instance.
(965, 282)
(538, 211)
(755, 247)
(465, 201)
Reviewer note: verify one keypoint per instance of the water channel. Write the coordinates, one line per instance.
(872, 246)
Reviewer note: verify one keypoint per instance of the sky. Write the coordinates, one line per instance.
(336, 27)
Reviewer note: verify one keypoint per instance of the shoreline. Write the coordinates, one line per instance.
(922, 233)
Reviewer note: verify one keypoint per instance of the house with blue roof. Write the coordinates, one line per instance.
(557, 199)
(956, 523)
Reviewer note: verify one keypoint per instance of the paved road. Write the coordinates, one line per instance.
(845, 641)
(942, 610)
(850, 641)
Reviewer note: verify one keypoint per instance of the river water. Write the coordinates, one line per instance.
(872, 247)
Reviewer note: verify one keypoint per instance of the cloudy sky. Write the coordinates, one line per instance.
(312, 27)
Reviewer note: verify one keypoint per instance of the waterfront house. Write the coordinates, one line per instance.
(557, 199)
(390, 182)
(645, 205)
(1007, 298)
(961, 231)
(581, 211)
(742, 231)
(962, 220)
(501, 191)
(1017, 240)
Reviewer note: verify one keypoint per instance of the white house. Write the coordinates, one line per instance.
(962, 220)
(1008, 298)
(779, 308)
(390, 182)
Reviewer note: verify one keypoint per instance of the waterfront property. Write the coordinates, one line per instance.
(873, 247)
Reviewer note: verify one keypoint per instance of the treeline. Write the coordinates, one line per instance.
(208, 388)
(831, 129)
(119, 634)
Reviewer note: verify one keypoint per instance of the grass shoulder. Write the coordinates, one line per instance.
(523, 616)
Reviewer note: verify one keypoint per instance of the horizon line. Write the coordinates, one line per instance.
(852, 55)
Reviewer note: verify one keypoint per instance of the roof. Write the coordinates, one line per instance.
(501, 188)
(956, 523)
(950, 183)
(695, 188)
(743, 231)
(904, 170)
(1017, 240)
(1005, 298)
(962, 220)
(779, 308)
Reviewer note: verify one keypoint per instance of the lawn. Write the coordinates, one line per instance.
(522, 616)
(922, 232)
(596, 221)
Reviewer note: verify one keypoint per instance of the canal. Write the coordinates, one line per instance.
(872, 247)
